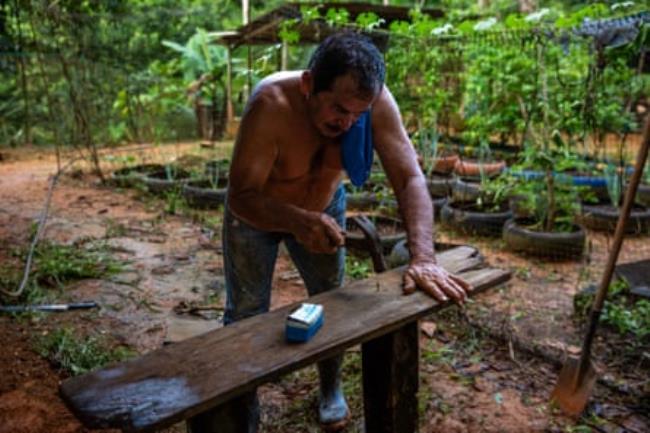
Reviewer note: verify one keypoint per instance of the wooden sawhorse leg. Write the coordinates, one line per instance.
(390, 381)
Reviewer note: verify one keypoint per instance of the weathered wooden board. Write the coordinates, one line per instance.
(187, 378)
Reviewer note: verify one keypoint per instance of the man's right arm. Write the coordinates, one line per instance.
(256, 150)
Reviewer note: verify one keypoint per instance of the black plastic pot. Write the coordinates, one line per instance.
(604, 217)
(131, 176)
(467, 218)
(355, 239)
(166, 180)
(205, 194)
(552, 245)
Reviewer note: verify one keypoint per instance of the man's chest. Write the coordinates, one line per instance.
(304, 156)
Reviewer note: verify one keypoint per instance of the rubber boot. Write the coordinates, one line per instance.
(333, 410)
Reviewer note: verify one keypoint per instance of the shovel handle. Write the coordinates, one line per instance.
(630, 194)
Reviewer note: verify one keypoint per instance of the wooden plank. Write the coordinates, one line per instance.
(390, 381)
(182, 380)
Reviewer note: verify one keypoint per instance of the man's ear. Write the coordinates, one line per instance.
(306, 83)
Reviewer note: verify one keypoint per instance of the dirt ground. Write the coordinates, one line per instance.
(489, 368)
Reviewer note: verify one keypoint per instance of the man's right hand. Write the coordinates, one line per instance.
(320, 233)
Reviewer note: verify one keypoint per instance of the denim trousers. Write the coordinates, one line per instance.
(249, 259)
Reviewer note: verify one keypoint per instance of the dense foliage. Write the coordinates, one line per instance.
(100, 72)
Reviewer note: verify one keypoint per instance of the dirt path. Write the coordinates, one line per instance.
(470, 383)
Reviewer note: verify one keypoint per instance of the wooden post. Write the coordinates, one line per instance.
(390, 381)
(285, 56)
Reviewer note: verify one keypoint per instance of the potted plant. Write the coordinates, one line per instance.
(170, 178)
(602, 215)
(547, 205)
(437, 163)
(485, 213)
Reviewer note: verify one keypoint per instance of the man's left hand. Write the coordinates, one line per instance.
(435, 281)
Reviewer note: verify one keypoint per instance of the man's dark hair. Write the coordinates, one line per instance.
(344, 53)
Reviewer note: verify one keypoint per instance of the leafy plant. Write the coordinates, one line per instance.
(204, 67)
(614, 181)
(54, 264)
(427, 146)
(358, 268)
(620, 311)
(76, 354)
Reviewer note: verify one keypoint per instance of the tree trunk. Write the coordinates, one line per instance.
(550, 191)
(22, 66)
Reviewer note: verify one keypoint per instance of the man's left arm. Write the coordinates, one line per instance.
(400, 163)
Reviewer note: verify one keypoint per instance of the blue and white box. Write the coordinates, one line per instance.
(304, 322)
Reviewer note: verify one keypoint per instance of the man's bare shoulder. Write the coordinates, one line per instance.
(277, 92)
(385, 101)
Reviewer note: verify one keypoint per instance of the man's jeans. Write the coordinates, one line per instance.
(249, 259)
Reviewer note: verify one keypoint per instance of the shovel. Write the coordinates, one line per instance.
(578, 376)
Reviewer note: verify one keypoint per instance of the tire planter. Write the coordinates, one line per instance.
(467, 219)
(474, 169)
(361, 201)
(217, 168)
(527, 174)
(390, 231)
(462, 191)
(440, 186)
(364, 197)
(129, 177)
(438, 203)
(643, 194)
(557, 246)
(604, 217)
(164, 181)
(596, 185)
(205, 194)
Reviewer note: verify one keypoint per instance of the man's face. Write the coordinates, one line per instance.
(334, 111)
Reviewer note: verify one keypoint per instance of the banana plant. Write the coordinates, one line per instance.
(204, 65)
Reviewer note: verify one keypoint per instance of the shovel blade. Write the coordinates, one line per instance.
(573, 389)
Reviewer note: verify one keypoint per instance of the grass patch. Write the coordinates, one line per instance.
(55, 265)
(79, 354)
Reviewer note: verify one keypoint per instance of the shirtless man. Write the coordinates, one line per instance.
(285, 185)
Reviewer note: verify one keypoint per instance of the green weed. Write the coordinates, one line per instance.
(175, 203)
(437, 355)
(358, 268)
(53, 266)
(619, 311)
(76, 354)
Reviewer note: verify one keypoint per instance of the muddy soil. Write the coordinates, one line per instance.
(489, 369)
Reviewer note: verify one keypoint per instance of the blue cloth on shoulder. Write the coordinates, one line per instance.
(357, 150)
